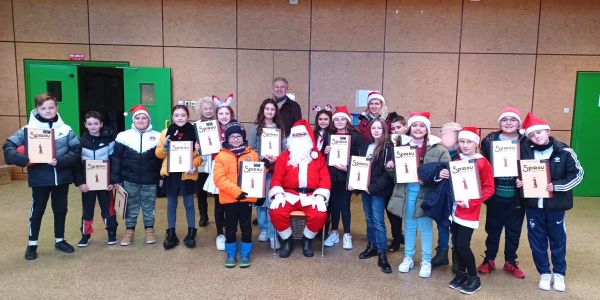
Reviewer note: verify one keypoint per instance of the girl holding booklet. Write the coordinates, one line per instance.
(177, 183)
(407, 198)
(207, 113)
(323, 125)
(97, 143)
(504, 207)
(267, 117)
(379, 152)
(235, 203)
(547, 215)
(465, 212)
(339, 203)
(47, 180)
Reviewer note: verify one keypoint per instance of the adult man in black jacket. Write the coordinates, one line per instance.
(289, 110)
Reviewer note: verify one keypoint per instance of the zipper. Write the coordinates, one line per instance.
(141, 144)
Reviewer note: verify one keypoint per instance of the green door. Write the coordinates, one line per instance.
(60, 80)
(584, 136)
(151, 87)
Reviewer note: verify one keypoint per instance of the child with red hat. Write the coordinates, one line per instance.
(546, 216)
(465, 213)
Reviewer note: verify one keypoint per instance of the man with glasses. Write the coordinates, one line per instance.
(289, 110)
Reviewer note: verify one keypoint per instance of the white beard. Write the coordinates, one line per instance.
(300, 149)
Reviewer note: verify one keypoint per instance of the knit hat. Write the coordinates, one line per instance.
(450, 126)
(511, 112)
(302, 126)
(136, 110)
(533, 123)
(342, 111)
(235, 127)
(375, 95)
(470, 133)
(422, 116)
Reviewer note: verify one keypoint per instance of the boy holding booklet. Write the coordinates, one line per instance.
(235, 203)
(465, 212)
(97, 143)
(546, 216)
(47, 180)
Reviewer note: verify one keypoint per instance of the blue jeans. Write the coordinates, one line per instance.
(140, 196)
(262, 212)
(374, 207)
(411, 224)
(545, 227)
(443, 237)
(190, 214)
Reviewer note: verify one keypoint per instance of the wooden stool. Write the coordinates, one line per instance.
(298, 222)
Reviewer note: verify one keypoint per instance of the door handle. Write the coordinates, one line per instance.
(128, 68)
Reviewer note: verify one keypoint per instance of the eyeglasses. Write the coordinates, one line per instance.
(506, 120)
(235, 137)
(299, 134)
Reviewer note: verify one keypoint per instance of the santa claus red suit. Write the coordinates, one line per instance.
(300, 182)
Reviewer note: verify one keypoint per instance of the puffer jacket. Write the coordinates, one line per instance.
(162, 154)
(133, 159)
(67, 147)
(226, 174)
(434, 153)
(94, 148)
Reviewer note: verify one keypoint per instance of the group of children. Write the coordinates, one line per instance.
(138, 159)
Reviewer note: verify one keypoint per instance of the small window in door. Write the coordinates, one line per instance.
(147, 93)
(54, 88)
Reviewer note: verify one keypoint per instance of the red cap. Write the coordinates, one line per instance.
(533, 123)
(470, 133)
(420, 116)
(342, 111)
(510, 112)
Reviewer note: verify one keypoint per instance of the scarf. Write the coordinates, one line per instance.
(543, 148)
(181, 133)
(239, 150)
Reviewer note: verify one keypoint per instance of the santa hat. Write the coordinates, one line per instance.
(342, 111)
(136, 110)
(451, 126)
(533, 123)
(302, 126)
(375, 95)
(422, 116)
(510, 112)
(470, 133)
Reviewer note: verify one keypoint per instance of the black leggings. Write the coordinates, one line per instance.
(461, 239)
(40, 196)
(239, 212)
(219, 215)
(339, 203)
(202, 195)
(395, 222)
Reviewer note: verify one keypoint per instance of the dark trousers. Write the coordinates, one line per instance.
(202, 196)
(339, 203)
(461, 239)
(395, 223)
(107, 210)
(58, 195)
(503, 213)
(545, 227)
(219, 215)
(240, 212)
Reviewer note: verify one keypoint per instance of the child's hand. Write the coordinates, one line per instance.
(350, 188)
(53, 162)
(444, 174)
(389, 164)
(270, 158)
(109, 187)
(341, 167)
(327, 149)
(166, 144)
(550, 187)
(519, 183)
(461, 203)
(84, 188)
(191, 171)
(197, 146)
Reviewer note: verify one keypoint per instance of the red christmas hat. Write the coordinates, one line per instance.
(470, 133)
(342, 111)
(421, 116)
(375, 95)
(511, 112)
(302, 126)
(136, 110)
(533, 123)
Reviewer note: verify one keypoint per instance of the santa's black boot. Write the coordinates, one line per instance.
(307, 247)
(286, 247)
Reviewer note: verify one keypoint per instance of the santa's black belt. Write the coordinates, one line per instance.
(304, 190)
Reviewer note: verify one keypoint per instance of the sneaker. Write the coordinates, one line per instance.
(332, 239)
(425, 271)
(487, 266)
(150, 237)
(230, 261)
(221, 242)
(275, 243)
(545, 280)
(263, 236)
(127, 237)
(559, 283)
(84, 241)
(406, 265)
(472, 285)
(347, 241)
(513, 268)
(64, 247)
(31, 252)
(112, 238)
(458, 281)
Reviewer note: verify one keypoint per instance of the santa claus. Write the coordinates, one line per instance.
(300, 182)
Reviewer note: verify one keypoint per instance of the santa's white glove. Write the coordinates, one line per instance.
(320, 201)
(279, 199)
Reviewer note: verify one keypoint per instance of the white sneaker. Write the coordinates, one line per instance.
(406, 265)
(425, 271)
(263, 236)
(332, 239)
(545, 280)
(275, 243)
(221, 242)
(559, 283)
(347, 241)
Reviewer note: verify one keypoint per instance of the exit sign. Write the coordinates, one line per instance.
(76, 57)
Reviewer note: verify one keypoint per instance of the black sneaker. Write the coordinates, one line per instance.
(459, 280)
(31, 253)
(64, 247)
(112, 238)
(84, 241)
(472, 285)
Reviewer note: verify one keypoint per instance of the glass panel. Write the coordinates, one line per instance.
(147, 93)
(54, 88)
